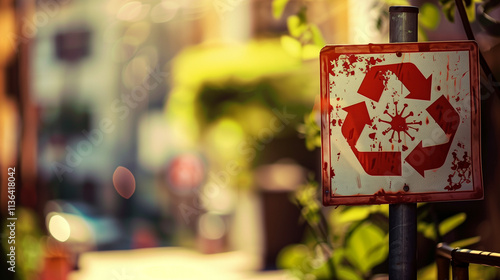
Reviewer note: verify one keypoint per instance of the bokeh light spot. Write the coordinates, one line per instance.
(164, 11)
(211, 226)
(124, 182)
(132, 11)
(185, 172)
(59, 228)
(137, 33)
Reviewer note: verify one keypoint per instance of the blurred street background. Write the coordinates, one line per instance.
(179, 139)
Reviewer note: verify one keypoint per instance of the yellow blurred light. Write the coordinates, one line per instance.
(196, 66)
(59, 228)
(287, 175)
(261, 118)
(218, 199)
(224, 138)
(280, 176)
(69, 228)
(220, 63)
(211, 226)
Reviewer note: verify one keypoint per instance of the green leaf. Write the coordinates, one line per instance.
(443, 2)
(293, 256)
(429, 16)
(354, 214)
(279, 7)
(427, 230)
(312, 143)
(449, 10)
(310, 51)
(382, 209)
(444, 227)
(380, 246)
(364, 247)
(451, 223)
(466, 242)
(397, 2)
(295, 26)
(317, 36)
(338, 256)
(322, 272)
(291, 45)
(428, 273)
(310, 216)
(344, 272)
(477, 271)
(312, 131)
(471, 11)
(422, 35)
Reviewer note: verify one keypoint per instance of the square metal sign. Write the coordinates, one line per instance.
(400, 123)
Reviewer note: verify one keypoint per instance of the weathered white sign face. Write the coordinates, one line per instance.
(400, 123)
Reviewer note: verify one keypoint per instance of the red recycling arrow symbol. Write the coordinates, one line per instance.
(432, 157)
(421, 158)
(353, 125)
(375, 81)
(374, 163)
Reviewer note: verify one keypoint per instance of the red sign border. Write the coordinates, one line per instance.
(329, 53)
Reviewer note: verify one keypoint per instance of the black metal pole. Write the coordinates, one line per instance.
(403, 241)
(403, 27)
